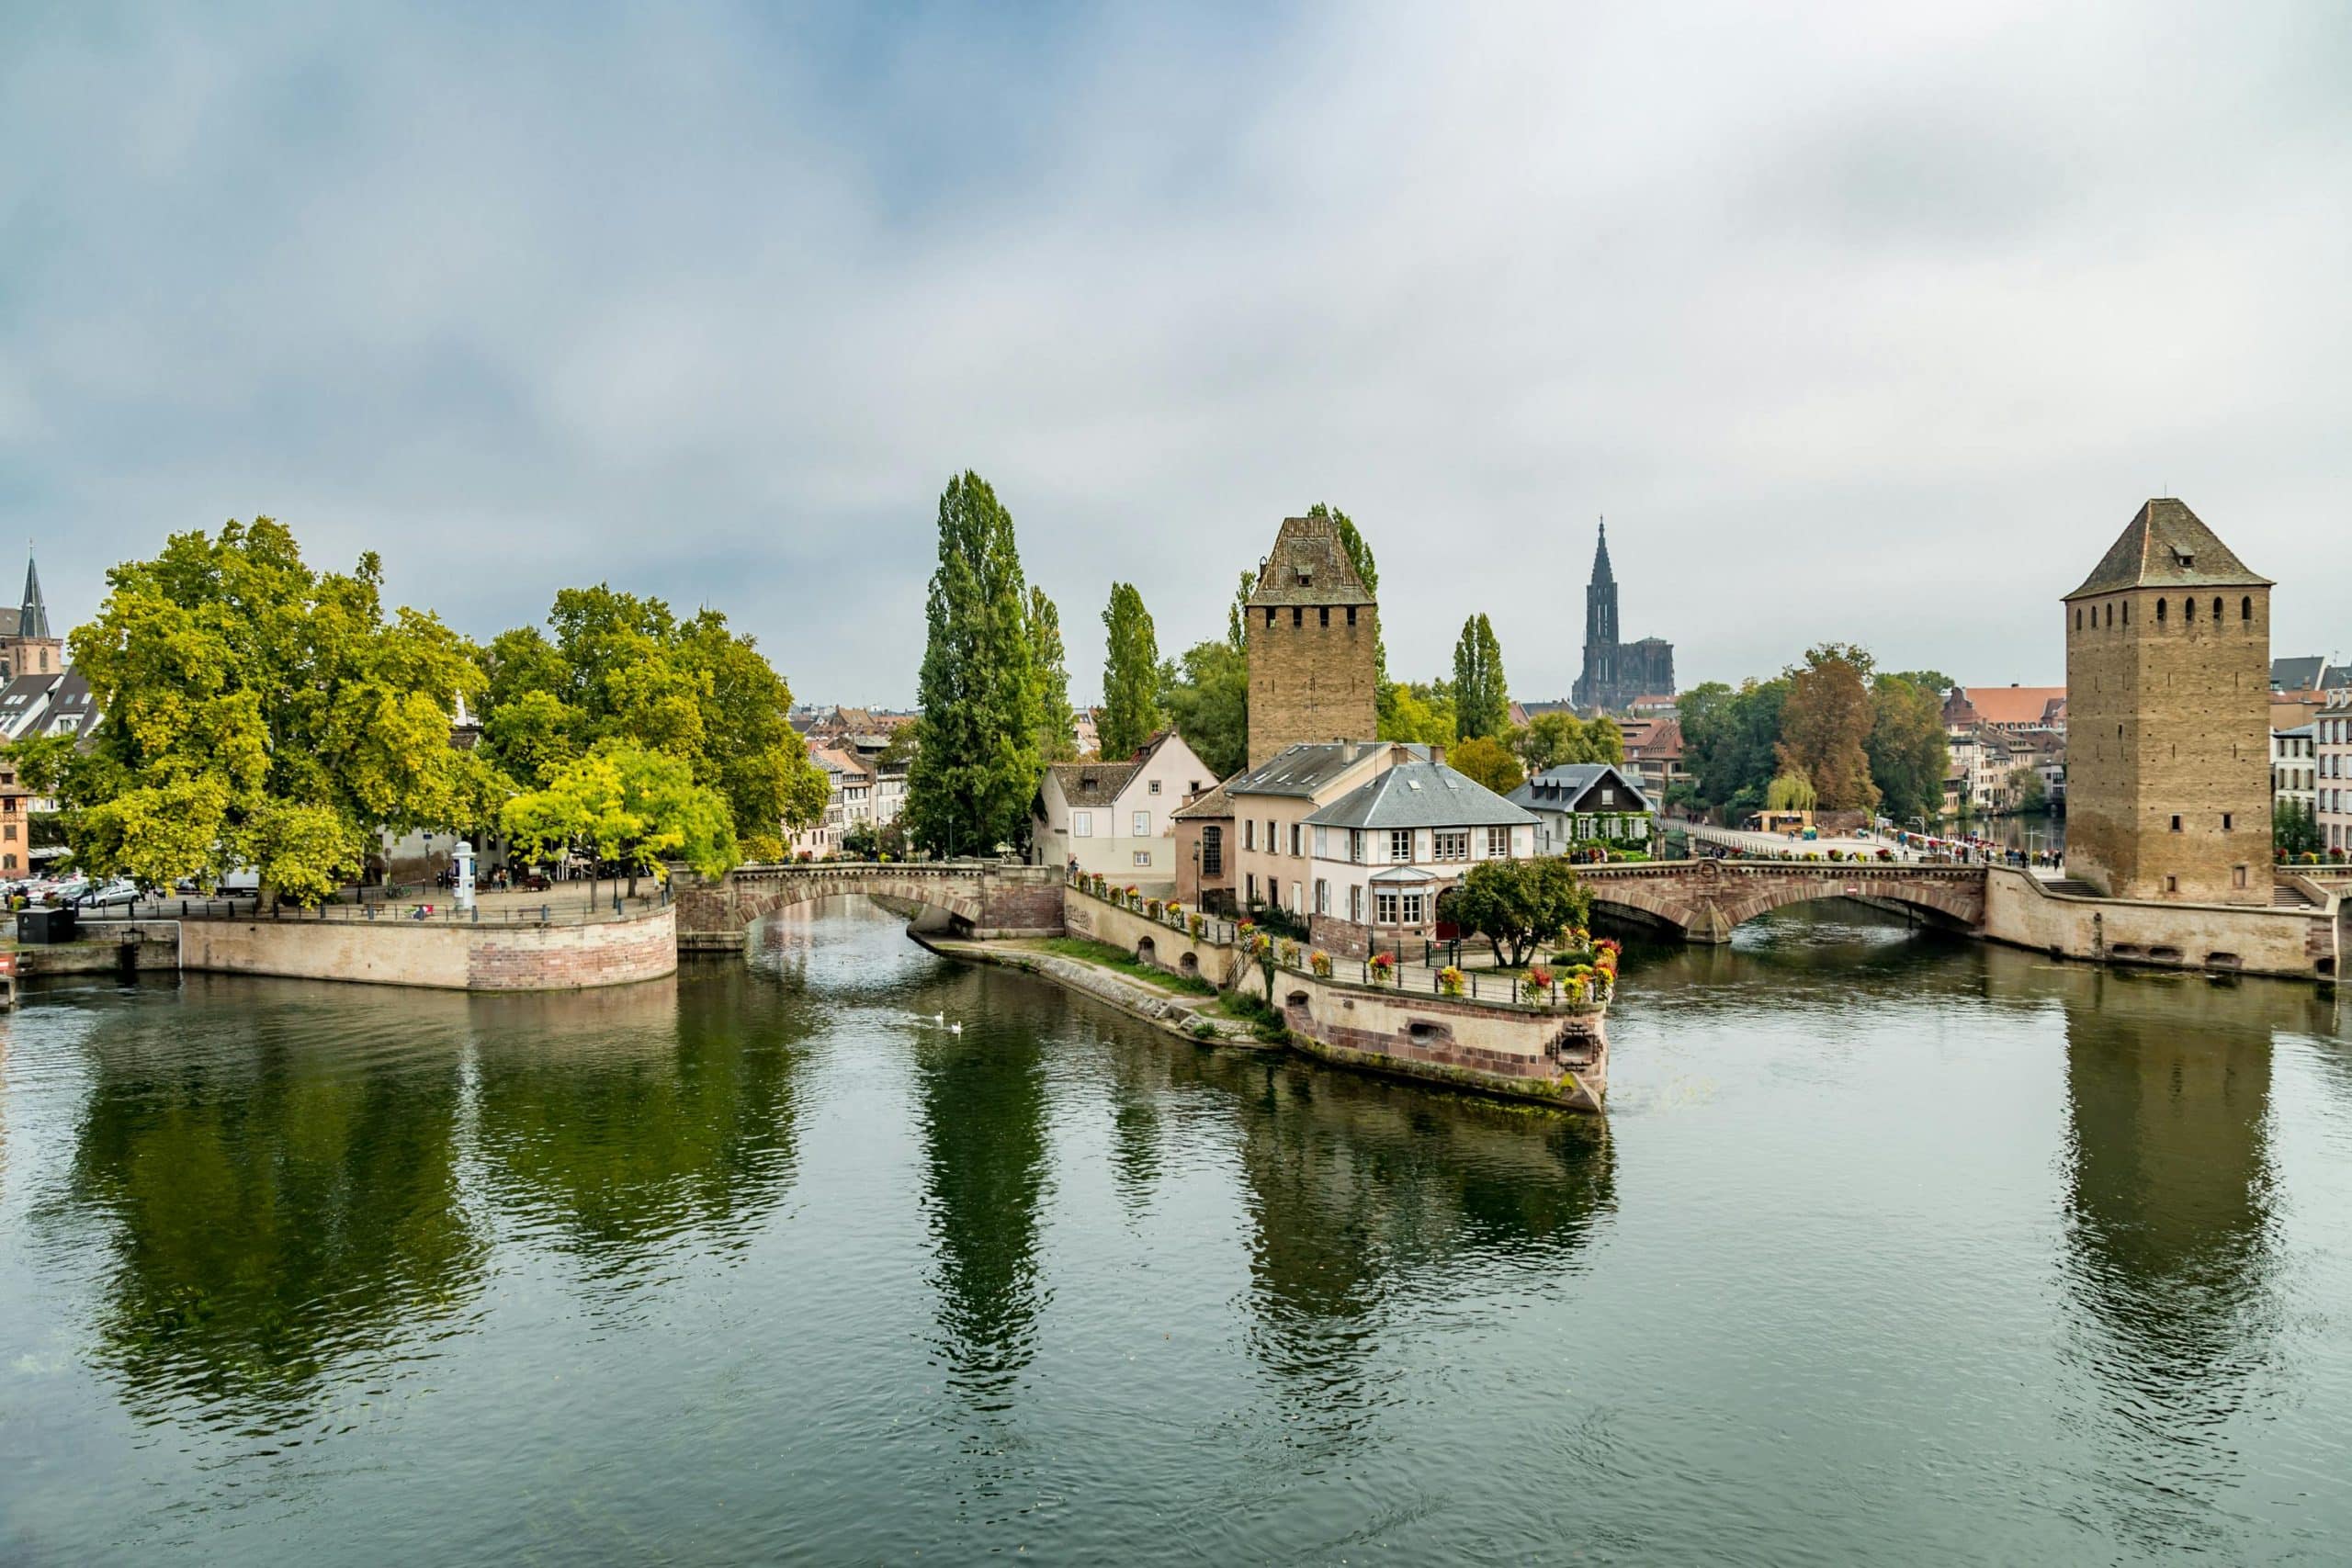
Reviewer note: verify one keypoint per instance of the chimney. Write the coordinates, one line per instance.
(1437, 755)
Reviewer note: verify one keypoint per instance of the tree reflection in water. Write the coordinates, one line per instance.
(614, 1123)
(981, 1104)
(281, 1196)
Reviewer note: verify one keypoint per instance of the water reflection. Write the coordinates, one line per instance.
(981, 1105)
(279, 1200)
(615, 1121)
(1366, 1198)
(2171, 1241)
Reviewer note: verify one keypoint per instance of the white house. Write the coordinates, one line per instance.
(1579, 805)
(1115, 818)
(1384, 852)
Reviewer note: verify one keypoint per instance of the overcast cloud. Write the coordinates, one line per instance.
(1872, 322)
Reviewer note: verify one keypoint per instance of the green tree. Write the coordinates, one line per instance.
(1485, 759)
(1057, 726)
(1907, 751)
(1792, 792)
(1237, 615)
(620, 667)
(1131, 712)
(1421, 713)
(1519, 903)
(1208, 702)
(2027, 792)
(1481, 695)
(975, 765)
(258, 713)
(1826, 726)
(1728, 741)
(1555, 739)
(627, 803)
(2294, 830)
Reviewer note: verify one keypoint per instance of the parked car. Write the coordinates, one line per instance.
(119, 893)
(64, 891)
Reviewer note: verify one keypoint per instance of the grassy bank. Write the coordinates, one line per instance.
(1102, 955)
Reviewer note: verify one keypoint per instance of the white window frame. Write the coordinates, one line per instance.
(1141, 822)
(1143, 860)
(1082, 824)
(1400, 836)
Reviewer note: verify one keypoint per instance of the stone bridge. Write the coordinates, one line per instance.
(1705, 898)
(981, 899)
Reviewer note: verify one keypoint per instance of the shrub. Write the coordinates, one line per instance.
(1151, 907)
(1204, 1030)
(1289, 954)
(1449, 981)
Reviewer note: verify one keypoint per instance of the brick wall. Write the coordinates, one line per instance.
(2168, 719)
(1311, 682)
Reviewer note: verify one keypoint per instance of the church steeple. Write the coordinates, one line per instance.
(32, 620)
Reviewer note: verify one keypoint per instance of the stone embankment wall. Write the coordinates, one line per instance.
(2298, 943)
(400, 953)
(1559, 1058)
(1085, 915)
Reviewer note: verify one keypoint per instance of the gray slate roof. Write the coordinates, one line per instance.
(1560, 788)
(1420, 794)
(1301, 770)
(2167, 545)
(2297, 675)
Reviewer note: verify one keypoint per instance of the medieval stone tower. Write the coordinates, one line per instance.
(2168, 717)
(1312, 632)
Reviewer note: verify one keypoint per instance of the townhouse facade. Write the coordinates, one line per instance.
(2332, 773)
(1272, 848)
(2294, 769)
(1580, 805)
(1386, 852)
(1118, 818)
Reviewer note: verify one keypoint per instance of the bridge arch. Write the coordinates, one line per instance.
(1707, 900)
(983, 898)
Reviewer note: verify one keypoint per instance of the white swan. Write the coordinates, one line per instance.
(955, 1029)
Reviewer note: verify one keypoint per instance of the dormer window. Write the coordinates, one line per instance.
(2183, 558)
(1306, 580)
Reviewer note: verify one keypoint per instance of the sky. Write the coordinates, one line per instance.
(1863, 323)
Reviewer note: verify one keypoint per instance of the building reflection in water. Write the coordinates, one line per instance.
(281, 1184)
(615, 1125)
(2171, 1238)
(1367, 1198)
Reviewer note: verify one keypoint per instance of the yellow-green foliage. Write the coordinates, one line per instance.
(258, 713)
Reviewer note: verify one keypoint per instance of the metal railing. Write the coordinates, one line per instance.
(377, 912)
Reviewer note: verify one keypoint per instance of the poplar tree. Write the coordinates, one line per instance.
(1481, 696)
(1131, 711)
(977, 759)
(1057, 725)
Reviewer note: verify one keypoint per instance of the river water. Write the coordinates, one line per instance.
(1892, 1249)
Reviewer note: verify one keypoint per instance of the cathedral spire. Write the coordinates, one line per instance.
(1600, 572)
(32, 620)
